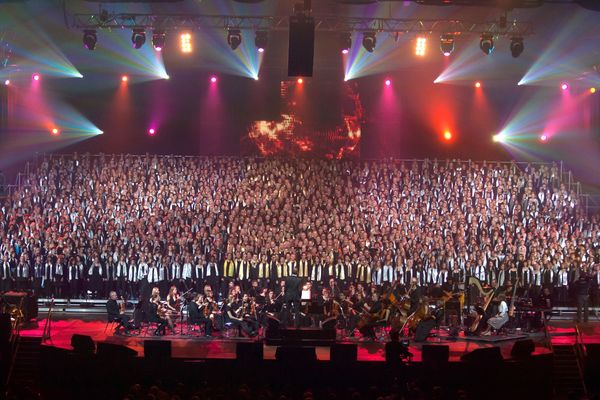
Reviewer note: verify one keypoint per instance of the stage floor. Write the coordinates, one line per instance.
(63, 327)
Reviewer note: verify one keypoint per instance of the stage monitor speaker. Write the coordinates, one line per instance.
(424, 329)
(487, 355)
(249, 352)
(83, 344)
(114, 351)
(344, 353)
(301, 46)
(296, 355)
(522, 348)
(435, 355)
(157, 349)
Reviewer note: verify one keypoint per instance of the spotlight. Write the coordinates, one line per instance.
(486, 44)
(234, 38)
(7, 82)
(369, 41)
(213, 79)
(185, 41)
(36, 77)
(564, 86)
(159, 38)
(346, 42)
(544, 137)
(138, 38)
(55, 132)
(421, 46)
(497, 138)
(89, 39)
(448, 135)
(388, 82)
(516, 46)
(477, 85)
(447, 44)
(151, 131)
(124, 78)
(300, 81)
(592, 90)
(261, 40)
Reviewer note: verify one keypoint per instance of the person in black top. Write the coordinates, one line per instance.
(582, 290)
(197, 315)
(291, 297)
(115, 314)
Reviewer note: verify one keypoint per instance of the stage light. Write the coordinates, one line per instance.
(544, 137)
(486, 44)
(151, 131)
(346, 42)
(477, 85)
(369, 41)
(185, 42)
(36, 77)
(55, 132)
(497, 138)
(447, 135)
(261, 40)
(447, 44)
(564, 86)
(213, 79)
(234, 38)
(90, 39)
(388, 82)
(7, 82)
(421, 46)
(593, 90)
(138, 38)
(516, 46)
(124, 78)
(159, 38)
(300, 81)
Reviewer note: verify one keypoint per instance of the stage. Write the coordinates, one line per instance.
(194, 346)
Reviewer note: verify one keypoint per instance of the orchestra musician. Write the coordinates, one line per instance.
(116, 313)
(501, 317)
(158, 313)
(173, 306)
(197, 316)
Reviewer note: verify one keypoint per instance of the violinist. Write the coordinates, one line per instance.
(197, 314)
(248, 314)
(213, 312)
(158, 314)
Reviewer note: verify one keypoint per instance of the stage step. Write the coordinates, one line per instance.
(26, 368)
(567, 373)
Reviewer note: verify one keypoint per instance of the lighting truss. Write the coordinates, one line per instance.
(281, 23)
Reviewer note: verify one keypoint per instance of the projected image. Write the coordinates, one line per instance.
(315, 121)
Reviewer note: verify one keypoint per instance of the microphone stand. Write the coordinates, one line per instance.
(183, 305)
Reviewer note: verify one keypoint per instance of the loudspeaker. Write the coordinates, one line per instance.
(295, 355)
(301, 46)
(522, 348)
(435, 355)
(83, 344)
(487, 355)
(114, 351)
(423, 329)
(344, 353)
(250, 352)
(5, 328)
(157, 349)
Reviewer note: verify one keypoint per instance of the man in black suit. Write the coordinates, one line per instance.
(115, 315)
(292, 295)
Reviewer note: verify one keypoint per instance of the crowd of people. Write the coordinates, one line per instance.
(83, 226)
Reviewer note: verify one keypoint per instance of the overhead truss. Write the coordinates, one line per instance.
(168, 22)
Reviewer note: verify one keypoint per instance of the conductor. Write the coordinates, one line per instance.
(291, 297)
